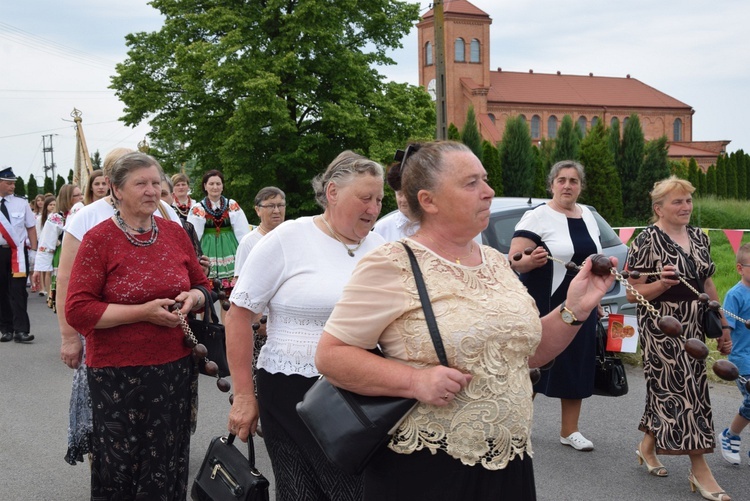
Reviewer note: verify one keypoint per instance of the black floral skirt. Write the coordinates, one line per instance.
(140, 443)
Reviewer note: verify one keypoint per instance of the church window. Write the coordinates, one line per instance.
(536, 127)
(552, 127)
(677, 130)
(624, 123)
(428, 54)
(582, 125)
(474, 56)
(523, 118)
(459, 50)
(492, 117)
(614, 121)
(594, 122)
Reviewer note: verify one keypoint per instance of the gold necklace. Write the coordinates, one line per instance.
(336, 236)
(457, 258)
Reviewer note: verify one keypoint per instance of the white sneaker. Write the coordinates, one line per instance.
(730, 447)
(578, 442)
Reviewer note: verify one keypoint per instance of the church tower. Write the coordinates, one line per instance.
(467, 58)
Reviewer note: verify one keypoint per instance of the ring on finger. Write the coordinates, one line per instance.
(446, 396)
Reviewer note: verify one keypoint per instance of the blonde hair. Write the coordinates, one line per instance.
(664, 188)
(111, 158)
(743, 253)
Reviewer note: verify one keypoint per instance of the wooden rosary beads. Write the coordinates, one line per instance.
(668, 325)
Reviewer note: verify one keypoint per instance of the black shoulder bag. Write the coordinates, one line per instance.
(350, 428)
(210, 333)
(226, 475)
(610, 379)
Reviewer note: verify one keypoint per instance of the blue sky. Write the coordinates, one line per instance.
(59, 55)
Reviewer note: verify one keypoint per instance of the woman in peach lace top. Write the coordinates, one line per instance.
(469, 436)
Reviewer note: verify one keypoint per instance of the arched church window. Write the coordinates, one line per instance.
(428, 54)
(459, 50)
(552, 127)
(474, 56)
(492, 117)
(582, 125)
(614, 121)
(677, 132)
(536, 127)
(594, 122)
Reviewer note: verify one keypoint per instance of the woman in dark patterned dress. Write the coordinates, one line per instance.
(677, 418)
(568, 231)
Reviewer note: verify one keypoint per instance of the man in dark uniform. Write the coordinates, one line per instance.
(17, 223)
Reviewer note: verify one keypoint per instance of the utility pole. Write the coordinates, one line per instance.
(440, 106)
(48, 149)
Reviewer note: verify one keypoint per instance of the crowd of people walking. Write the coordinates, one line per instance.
(115, 255)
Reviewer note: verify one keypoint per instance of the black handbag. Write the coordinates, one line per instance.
(351, 428)
(610, 379)
(226, 475)
(210, 333)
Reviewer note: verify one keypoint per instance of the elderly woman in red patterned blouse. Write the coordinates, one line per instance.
(129, 271)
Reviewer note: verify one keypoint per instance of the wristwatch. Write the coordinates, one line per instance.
(568, 316)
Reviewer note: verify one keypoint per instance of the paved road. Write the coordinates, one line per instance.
(35, 391)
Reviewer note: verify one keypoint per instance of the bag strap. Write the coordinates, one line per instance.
(427, 307)
(250, 448)
(208, 306)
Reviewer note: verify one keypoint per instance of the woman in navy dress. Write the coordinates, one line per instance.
(568, 231)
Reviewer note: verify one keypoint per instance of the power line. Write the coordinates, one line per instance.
(58, 128)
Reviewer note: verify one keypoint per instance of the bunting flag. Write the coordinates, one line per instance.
(735, 238)
(625, 234)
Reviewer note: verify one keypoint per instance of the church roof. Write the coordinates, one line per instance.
(457, 7)
(576, 90)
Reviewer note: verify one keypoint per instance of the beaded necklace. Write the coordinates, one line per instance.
(126, 228)
(182, 209)
(335, 235)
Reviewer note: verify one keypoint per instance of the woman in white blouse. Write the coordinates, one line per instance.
(298, 271)
(468, 438)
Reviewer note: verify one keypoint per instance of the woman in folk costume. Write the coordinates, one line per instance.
(220, 224)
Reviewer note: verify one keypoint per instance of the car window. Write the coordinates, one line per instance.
(607, 235)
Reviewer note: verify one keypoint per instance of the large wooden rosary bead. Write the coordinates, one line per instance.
(714, 305)
(535, 375)
(726, 370)
(517, 256)
(635, 274)
(703, 297)
(600, 265)
(211, 368)
(200, 350)
(223, 384)
(670, 326)
(696, 349)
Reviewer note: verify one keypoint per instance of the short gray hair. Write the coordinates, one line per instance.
(126, 164)
(566, 164)
(342, 171)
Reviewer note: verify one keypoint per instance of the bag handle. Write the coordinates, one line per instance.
(208, 306)
(250, 448)
(427, 307)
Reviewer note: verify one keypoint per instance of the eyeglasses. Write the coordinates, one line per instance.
(272, 206)
(744, 265)
(402, 156)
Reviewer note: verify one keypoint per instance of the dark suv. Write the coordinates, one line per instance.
(506, 212)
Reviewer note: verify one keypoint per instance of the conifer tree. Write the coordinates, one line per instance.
(540, 175)
(711, 181)
(567, 142)
(739, 159)
(730, 170)
(32, 190)
(453, 133)
(655, 168)
(517, 159)
(470, 133)
(20, 188)
(721, 177)
(630, 163)
(59, 183)
(602, 183)
(491, 162)
(49, 185)
(694, 176)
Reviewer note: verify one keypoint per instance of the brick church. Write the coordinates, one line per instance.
(544, 99)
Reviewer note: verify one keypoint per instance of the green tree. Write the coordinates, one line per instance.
(721, 177)
(602, 183)
(694, 175)
(49, 185)
(491, 162)
(655, 168)
(679, 168)
(739, 159)
(268, 92)
(32, 190)
(453, 133)
(96, 160)
(470, 135)
(20, 187)
(59, 183)
(711, 181)
(629, 165)
(540, 175)
(731, 176)
(517, 158)
(567, 142)
(70, 176)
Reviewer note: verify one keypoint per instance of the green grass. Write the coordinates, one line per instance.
(710, 212)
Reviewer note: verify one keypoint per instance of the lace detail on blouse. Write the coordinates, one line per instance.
(490, 326)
